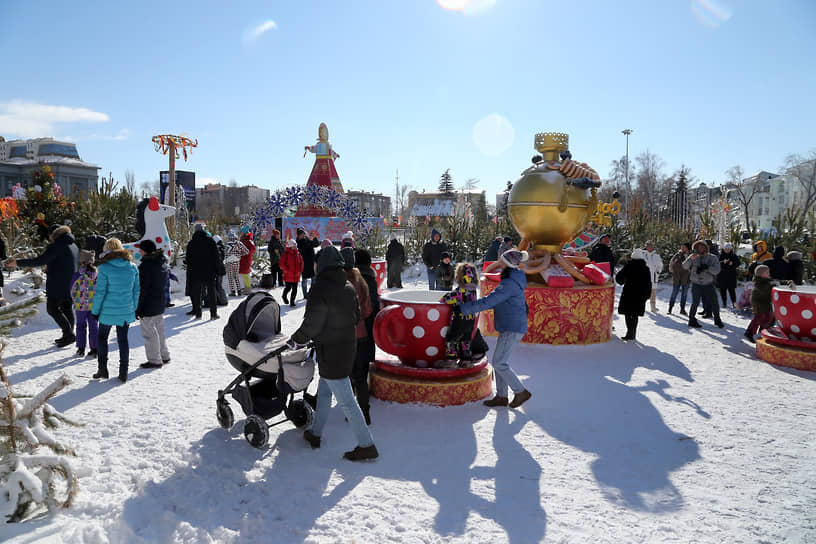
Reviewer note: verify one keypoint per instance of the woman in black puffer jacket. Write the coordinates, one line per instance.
(332, 313)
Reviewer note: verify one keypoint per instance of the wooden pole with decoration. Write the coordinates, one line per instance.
(170, 144)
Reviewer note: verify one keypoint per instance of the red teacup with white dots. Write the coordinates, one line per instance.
(381, 270)
(795, 312)
(413, 326)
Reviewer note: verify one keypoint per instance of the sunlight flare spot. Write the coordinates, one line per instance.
(493, 135)
(710, 13)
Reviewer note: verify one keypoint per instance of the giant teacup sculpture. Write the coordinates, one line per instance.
(792, 342)
(549, 205)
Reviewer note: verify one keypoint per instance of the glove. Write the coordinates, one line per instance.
(291, 344)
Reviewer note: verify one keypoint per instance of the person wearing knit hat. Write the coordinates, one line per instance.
(291, 263)
(636, 279)
(510, 318)
(83, 284)
(60, 257)
(153, 277)
(444, 273)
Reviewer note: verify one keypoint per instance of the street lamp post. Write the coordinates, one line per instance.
(627, 132)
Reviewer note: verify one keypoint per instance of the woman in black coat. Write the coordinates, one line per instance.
(637, 288)
(330, 321)
(727, 278)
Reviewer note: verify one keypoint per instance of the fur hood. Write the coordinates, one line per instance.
(59, 231)
(117, 254)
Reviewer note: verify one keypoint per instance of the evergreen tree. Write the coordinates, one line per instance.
(446, 183)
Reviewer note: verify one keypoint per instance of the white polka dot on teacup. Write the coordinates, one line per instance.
(418, 331)
(776, 296)
(794, 299)
(783, 310)
(795, 329)
(431, 351)
(443, 332)
(807, 314)
(433, 314)
(408, 313)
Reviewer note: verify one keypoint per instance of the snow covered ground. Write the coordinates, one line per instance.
(683, 436)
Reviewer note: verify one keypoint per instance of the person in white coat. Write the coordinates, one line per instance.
(655, 264)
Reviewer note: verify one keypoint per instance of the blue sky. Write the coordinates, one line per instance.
(402, 84)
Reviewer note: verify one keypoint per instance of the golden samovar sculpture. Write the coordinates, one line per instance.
(551, 203)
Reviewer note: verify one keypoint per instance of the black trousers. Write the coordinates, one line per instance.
(359, 373)
(62, 312)
(277, 275)
(291, 287)
(631, 324)
(197, 287)
(728, 291)
(709, 298)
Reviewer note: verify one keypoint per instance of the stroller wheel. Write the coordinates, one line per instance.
(300, 413)
(256, 431)
(224, 414)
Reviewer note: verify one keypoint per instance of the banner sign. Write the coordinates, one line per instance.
(332, 228)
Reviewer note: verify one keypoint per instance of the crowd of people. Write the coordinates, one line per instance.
(88, 293)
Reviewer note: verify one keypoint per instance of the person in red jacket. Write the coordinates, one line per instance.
(292, 265)
(245, 265)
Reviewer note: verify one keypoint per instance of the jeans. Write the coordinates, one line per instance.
(505, 376)
(683, 290)
(341, 389)
(709, 296)
(304, 285)
(124, 347)
(431, 279)
(86, 321)
(155, 343)
(62, 311)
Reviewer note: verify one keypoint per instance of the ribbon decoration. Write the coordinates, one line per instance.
(163, 143)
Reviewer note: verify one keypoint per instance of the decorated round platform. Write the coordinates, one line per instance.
(575, 315)
(792, 357)
(392, 365)
(441, 392)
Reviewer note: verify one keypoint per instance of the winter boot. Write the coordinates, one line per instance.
(683, 310)
(718, 322)
(694, 323)
(92, 352)
(749, 336)
(312, 439)
(496, 401)
(362, 454)
(102, 373)
(670, 309)
(80, 352)
(520, 398)
(450, 351)
(123, 371)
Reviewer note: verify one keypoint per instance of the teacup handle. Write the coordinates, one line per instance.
(382, 324)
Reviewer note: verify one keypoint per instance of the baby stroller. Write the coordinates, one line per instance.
(270, 372)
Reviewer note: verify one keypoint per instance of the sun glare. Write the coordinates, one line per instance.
(493, 135)
(710, 13)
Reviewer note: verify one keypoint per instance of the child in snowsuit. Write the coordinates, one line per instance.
(232, 260)
(460, 330)
(245, 265)
(292, 265)
(444, 273)
(761, 304)
(83, 285)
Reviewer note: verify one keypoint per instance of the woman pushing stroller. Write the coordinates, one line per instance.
(330, 321)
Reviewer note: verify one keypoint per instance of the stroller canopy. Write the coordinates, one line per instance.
(255, 319)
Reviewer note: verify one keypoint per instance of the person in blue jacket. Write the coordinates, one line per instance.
(114, 304)
(510, 315)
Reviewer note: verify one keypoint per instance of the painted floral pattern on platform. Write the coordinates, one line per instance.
(578, 315)
(440, 393)
(786, 356)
